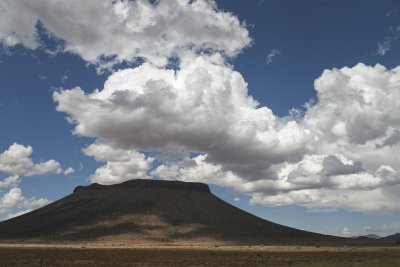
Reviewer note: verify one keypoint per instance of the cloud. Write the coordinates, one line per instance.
(69, 170)
(16, 161)
(386, 45)
(273, 53)
(14, 200)
(154, 30)
(391, 12)
(196, 169)
(236, 199)
(43, 77)
(121, 165)
(64, 78)
(365, 201)
(203, 107)
(392, 140)
(352, 165)
(347, 232)
(355, 105)
(333, 166)
(338, 155)
(16, 214)
(384, 229)
(11, 181)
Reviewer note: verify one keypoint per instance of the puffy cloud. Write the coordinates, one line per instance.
(11, 199)
(347, 232)
(339, 154)
(203, 107)
(16, 161)
(322, 199)
(154, 30)
(69, 170)
(356, 105)
(16, 214)
(353, 164)
(196, 169)
(121, 165)
(11, 181)
(15, 200)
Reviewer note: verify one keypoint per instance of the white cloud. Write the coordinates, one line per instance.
(339, 155)
(16, 214)
(14, 200)
(347, 232)
(11, 199)
(10, 181)
(138, 28)
(16, 161)
(196, 169)
(353, 164)
(121, 165)
(236, 199)
(68, 170)
(386, 45)
(203, 107)
(321, 199)
(384, 229)
(273, 53)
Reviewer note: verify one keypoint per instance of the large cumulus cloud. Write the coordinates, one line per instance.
(354, 162)
(154, 31)
(339, 154)
(204, 107)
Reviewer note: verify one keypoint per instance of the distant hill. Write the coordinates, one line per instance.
(373, 236)
(370, 236)
(391, 238)
(151, 212)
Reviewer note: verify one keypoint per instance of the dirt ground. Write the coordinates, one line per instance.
(87, 255)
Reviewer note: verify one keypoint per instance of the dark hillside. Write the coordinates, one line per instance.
(143, 211)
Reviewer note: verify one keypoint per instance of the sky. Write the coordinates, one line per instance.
(288, 109)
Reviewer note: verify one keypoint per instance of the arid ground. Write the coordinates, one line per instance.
(88, 255)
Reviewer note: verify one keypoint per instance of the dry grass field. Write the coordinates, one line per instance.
(29, 255)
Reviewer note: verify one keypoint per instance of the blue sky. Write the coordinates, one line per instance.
(281, 48)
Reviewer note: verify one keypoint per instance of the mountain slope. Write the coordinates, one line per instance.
(391, 238)
(150, 211)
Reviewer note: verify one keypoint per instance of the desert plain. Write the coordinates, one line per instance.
(186, 255)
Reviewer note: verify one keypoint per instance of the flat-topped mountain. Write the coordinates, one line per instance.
(142, 183)
(150, 211)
